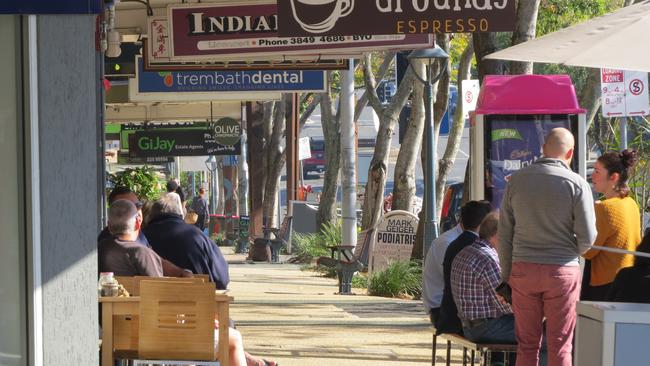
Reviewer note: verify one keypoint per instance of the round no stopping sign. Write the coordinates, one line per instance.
(636, 87)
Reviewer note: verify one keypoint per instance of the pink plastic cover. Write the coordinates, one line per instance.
(527, 94)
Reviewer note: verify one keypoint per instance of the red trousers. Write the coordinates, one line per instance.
(544, 291)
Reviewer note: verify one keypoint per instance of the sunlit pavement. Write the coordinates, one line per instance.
(295, 317)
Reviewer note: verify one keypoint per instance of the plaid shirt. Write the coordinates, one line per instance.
(475, 273)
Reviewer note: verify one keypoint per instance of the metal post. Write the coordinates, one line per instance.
(430, 224)
(348, 157)
(623, 127)
(213, 191)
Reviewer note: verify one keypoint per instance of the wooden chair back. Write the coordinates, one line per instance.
(177, 320)
(132, 283)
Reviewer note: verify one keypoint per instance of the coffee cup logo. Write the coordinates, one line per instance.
(341, 9)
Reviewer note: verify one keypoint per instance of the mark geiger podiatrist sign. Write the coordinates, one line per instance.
(394, 239)
(221, 138)
(350, 17)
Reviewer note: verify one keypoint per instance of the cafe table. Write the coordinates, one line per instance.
(130, 306)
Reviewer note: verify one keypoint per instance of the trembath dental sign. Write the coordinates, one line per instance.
(218, 82)
(348, 17)
(250, 29)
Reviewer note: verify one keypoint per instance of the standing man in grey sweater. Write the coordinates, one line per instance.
(546, 222)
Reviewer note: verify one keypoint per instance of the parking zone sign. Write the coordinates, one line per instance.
(624, 93)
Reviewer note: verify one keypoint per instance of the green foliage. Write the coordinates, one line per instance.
(186, 184)
(308, 246)
(400, 279)
(143, 181)
(359, 281)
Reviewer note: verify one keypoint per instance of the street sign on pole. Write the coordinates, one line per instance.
(624, 93)
(471, 89)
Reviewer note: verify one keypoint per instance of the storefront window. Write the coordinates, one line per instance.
(13, 313)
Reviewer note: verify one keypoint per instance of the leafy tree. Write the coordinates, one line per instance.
(143, 181)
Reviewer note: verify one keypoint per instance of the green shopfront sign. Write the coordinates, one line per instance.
(155, 143)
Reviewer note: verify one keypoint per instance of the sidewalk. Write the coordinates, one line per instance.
(296, 318)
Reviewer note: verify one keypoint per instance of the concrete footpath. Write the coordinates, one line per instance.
(295, 318)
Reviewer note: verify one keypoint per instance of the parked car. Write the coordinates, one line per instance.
(317, 161)
(451, 203)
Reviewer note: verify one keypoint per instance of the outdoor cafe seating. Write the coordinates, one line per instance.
(166, 321)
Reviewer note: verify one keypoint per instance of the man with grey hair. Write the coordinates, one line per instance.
(121, 253)
(183, 244)
(546, 222)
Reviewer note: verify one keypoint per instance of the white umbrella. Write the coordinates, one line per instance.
(618, 40)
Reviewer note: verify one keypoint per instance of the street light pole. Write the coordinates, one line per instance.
(430, 217)
(211, 164)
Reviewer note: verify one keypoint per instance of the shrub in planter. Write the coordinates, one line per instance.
(401, 279)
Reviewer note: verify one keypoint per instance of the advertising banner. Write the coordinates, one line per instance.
(156, 56)
(221, 138)
(394, 239)
(515, 142)
(241, 29)
(229, 81)
(350, 17)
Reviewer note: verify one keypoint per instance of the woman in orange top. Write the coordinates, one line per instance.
(617, 219)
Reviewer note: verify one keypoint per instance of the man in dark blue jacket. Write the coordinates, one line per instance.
(184, 244)
(471, 215)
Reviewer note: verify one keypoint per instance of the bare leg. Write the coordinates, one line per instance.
(236, 346)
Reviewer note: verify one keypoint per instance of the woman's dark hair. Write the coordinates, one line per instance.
(622, 163)
(644, 247)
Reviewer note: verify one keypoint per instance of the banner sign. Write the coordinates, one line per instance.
(229, 81)
(51, 7)
(348, 17)
(515, 142)
(222, 139)
(624, 93)
(157, 59)
(394, 239)
(241, 29)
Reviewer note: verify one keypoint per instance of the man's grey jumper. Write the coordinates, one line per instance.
(547, 216)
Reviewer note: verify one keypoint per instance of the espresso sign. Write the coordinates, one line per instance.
(250, 30)
(394, 239)
(349, 17)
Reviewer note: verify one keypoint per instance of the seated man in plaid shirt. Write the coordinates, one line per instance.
(475, 273)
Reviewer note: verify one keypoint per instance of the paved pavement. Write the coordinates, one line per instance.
(295, 317)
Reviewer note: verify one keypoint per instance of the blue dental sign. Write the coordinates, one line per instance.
(229, 81)
(50, 6)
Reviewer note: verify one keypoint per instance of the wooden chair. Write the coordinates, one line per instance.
(177, 323)
(132, 283)
(126, 327)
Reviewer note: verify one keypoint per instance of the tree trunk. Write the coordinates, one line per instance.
(276, 158)
(525, 27)
(404, 180)
(456, 131)
(331, 127)
(485, 44)
(374, 194)
(590, 96)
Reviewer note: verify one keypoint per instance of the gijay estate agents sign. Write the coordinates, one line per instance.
(229, 81)
(222, 138)
(394, 239)
(349, 17)
(242, 29)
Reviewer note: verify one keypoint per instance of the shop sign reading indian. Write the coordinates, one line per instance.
(349, 17)
(250, 30)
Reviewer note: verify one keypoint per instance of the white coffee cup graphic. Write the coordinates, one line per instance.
(342, 9)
